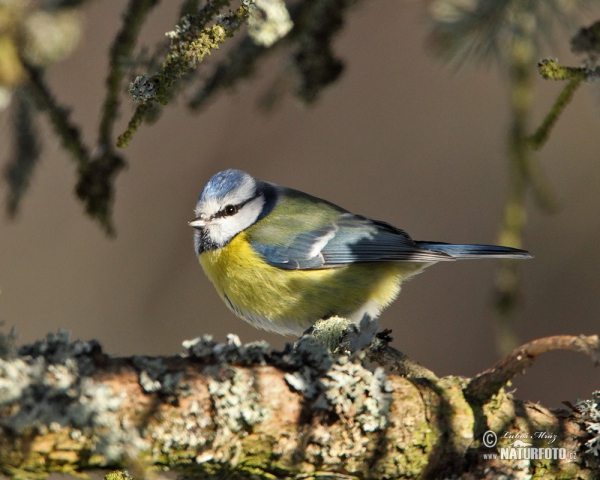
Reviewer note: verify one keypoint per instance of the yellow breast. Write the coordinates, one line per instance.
(290, 301)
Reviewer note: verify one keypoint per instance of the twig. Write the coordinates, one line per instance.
(189, 46)
(59, 116)
(551, 70)
(120, 51)
(26, 151)
(539, 138)
(485, 385)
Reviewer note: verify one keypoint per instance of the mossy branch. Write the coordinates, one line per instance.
(315, 25)
(550, 70)
(248, 412)
(188, 47)
(539, 138)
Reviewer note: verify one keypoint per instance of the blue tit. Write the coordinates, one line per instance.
(282, 259)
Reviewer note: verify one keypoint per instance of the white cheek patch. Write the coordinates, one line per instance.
(223, 229)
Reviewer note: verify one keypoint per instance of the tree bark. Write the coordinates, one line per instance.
(249, 412)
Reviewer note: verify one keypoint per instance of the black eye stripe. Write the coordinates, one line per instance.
(238, 207)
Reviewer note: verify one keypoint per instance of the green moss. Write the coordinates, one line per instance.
(550, 70)
(118, 475)
(188, 48)
(258, 452)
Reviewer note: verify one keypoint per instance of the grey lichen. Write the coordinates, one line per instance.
(48, 382)
(143, 88)
(337, 383)
(155, 377)
(249, 413)
(590, 411)
(335, 377)
(349, 387)
(57, 348)
(233, 398)
(186, 431)
(113, 437)
(205, 348)
(8, 344)
(237, 408)
(329, 333)
(190, 42)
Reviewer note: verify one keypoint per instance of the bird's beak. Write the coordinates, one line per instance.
(197, 223)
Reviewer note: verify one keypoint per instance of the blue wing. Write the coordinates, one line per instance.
(351, 239)
(475, 251)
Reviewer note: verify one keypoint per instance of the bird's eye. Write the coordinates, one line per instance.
(230, 210)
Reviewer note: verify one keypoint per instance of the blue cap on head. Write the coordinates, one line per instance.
(224, 182)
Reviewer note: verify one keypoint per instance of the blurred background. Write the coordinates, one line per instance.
(401, 137)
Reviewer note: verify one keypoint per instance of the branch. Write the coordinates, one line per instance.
(315, 24)
(68, 133)
(95, 185)
(550, 70)
(383, 354)
(191, 42)
(243, 411)
(26, 151)
(120, 52)
(488, 383)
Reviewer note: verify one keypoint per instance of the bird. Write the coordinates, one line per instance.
(282, 259)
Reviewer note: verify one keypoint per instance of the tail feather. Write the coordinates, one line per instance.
(475, 251)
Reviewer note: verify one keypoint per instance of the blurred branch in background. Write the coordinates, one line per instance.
(26, 150)
(190, 42)
(550, 70)
(307, 28)
(26, 50)
(509, 33)
(39, 34)
(32, 55)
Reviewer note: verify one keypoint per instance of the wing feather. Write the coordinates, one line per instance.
(350, 239)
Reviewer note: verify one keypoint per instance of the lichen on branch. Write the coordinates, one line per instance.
(307, 26)
(190, 42)
(246, 411)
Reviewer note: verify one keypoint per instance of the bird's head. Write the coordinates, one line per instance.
(230, 202)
